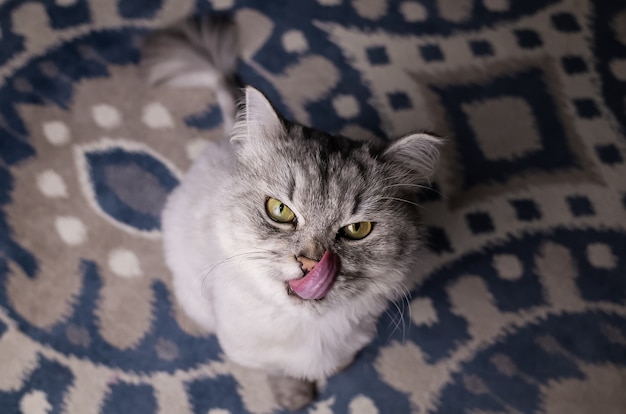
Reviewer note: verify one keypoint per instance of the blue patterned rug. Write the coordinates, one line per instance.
(520, 308)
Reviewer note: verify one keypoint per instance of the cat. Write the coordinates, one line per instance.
(286, 242)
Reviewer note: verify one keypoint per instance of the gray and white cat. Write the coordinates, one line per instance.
(286, 242)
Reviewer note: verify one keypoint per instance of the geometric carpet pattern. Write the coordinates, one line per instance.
(520, 305)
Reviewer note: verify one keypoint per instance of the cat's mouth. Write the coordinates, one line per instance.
(290, 291)
(316, 282)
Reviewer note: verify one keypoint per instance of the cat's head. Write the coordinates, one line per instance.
(300, 196)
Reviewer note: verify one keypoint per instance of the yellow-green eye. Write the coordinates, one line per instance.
(278, 211)
(357, 231)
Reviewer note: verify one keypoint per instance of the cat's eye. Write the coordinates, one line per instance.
(357, 231)
(278, 211)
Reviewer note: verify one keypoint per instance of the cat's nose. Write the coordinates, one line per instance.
(307, 264)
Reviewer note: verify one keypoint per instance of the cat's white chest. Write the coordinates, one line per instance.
(281, 337)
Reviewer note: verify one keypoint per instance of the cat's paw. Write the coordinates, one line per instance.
(292, 393)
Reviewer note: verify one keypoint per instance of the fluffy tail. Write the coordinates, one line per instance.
(196, 52)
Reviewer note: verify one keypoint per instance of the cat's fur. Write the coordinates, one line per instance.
(231, 262)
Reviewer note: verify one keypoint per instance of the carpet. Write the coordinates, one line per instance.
(520, 306)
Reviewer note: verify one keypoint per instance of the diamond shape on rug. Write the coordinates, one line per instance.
(508, 129)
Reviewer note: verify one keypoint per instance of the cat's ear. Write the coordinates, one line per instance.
(257, 121)
(418, 153)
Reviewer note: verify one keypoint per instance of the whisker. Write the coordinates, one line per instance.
(424, 187)
(402, 200)
(206, 272)
(394, 320)
(407, 185)
(406, 293)
(400, 319)
(250, 255)
(395, 177)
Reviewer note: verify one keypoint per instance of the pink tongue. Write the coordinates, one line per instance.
(319, 280)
